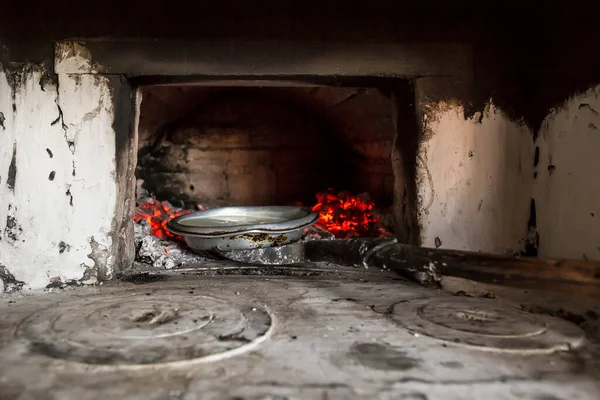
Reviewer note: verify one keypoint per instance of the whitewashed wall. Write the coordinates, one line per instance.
(55, 218)
(567, 188)
(474, 180)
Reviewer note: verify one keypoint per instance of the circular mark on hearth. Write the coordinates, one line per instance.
(120, 329)
(486, 324)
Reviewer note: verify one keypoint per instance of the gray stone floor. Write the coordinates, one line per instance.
(313, 332)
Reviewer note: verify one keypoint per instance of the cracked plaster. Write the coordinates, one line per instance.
(72, 122)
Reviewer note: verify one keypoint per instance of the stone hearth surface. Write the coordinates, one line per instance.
(309, 331)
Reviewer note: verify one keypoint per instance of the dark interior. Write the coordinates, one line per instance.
(264, 144)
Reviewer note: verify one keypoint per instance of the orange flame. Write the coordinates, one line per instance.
(157, 214)
(346, 215)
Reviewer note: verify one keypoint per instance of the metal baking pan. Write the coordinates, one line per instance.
(236, 228)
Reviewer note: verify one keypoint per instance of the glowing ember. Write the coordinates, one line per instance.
(343, 214)
(346, 215)
(157, 214)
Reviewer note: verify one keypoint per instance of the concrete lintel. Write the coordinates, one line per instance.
(185, 58)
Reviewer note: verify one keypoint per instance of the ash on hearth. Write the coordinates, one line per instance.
(341, 215)
(157, 247)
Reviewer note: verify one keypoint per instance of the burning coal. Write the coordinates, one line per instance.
(157, 214)
(346, 215)
(343, 214)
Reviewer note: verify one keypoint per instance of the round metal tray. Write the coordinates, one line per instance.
(235, 228)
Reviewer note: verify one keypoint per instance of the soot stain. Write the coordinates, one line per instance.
(12, 169)
(536, 157)
(586, 105)
(576, 319)
(69, 195)
(12, 229)
(62, 247)
(142, 278)
(451, 364)
(532, 243)
(382, 357)
(10, 283)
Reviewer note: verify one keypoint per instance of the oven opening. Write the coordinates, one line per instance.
(326, 149)
(220, 146)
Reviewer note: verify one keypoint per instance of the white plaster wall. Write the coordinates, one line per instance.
(78, 204)
(474, 180)
(7, 139)
(567, 188)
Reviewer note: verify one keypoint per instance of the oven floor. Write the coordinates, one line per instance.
(318, 333)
